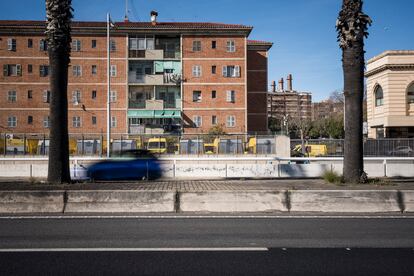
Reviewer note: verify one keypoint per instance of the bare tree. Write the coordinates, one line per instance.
(352, 25)
(58, 33)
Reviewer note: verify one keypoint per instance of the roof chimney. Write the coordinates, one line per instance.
(273, 86)
(154, 15)
(289, 82)
(281, 85)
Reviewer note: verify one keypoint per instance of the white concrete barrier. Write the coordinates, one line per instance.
(15, 170)
(119, 201)
(400, 170)
(31, 201)
(344, 201)
(408, 197)
(200, 170)
(303, 170)
(252, 170)
(39, 170)
(232, 201)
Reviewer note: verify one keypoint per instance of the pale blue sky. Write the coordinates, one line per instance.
(303, 31)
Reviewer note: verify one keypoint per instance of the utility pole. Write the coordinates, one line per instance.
(108, 102)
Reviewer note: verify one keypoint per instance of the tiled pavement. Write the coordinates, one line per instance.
(209, 185)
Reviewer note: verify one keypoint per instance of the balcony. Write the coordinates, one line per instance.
(147, 54)
(153, 79)
(154, 104)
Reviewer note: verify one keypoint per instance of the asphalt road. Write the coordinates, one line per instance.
(207, 246)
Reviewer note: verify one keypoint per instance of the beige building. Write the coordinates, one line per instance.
(390, 95)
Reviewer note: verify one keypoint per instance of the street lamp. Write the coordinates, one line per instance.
(109, 24)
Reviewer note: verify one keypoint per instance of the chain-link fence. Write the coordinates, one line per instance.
(96, 145)
(402, 147)
(196, 144)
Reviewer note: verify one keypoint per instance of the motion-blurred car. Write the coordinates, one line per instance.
(134, 165)
(401, 151)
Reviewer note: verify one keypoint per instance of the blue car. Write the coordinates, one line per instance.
(134, 165)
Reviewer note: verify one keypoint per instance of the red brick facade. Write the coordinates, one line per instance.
(224, 46)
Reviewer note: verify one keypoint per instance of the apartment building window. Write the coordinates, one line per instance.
(29, 94)
(214, 120)
(231, 121)
(76, 45)
(93, 120)
(77, 70)
(11, 44)
(213, 44)
(196, 71)
(197, 121)
(46, 96)
(231, 46)
(93, 43)
(30, 43)
(213, 94)
(29, 119)
(196, 46)
(76, 121)
(230, 96)
(12, 70)
(231, 71)
(112, 45)
(43, 45)
(410, 94)
(197, 96)
(76, 97)
(113, 96)
(44, 70)
(93, 94)
(12, 121)
(379, 96)
(213, 69)
(94, 70)
(113, 70)
(46, 121)
(12, 96)
(150, 43)
(30, 68)
(113, 121)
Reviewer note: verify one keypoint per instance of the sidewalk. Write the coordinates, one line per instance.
(209, 185)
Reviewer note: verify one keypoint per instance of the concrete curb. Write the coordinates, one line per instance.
(119, 201)
(232, 201)
(31, 201)
(345, 201)
(229, 201)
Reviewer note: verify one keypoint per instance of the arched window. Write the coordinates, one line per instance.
(410, 94)
(379, 96)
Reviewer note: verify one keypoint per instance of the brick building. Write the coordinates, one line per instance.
(326, 109)
(165, 78)
(289, 103)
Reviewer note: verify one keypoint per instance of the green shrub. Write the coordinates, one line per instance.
(332, 177)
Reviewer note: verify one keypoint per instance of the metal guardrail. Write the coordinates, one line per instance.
(215, 158)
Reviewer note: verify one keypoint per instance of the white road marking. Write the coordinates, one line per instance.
(148, 249)
(212, 217)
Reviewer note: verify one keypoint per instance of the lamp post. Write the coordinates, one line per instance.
(108, 103)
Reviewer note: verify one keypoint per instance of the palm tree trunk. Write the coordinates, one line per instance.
(353, 67)
(352, 25)
(58, 31)
(58, 171)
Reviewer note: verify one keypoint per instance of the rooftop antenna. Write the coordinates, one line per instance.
(126, 19)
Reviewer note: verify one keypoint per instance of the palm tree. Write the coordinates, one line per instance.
(352, 25)
(59, 15)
